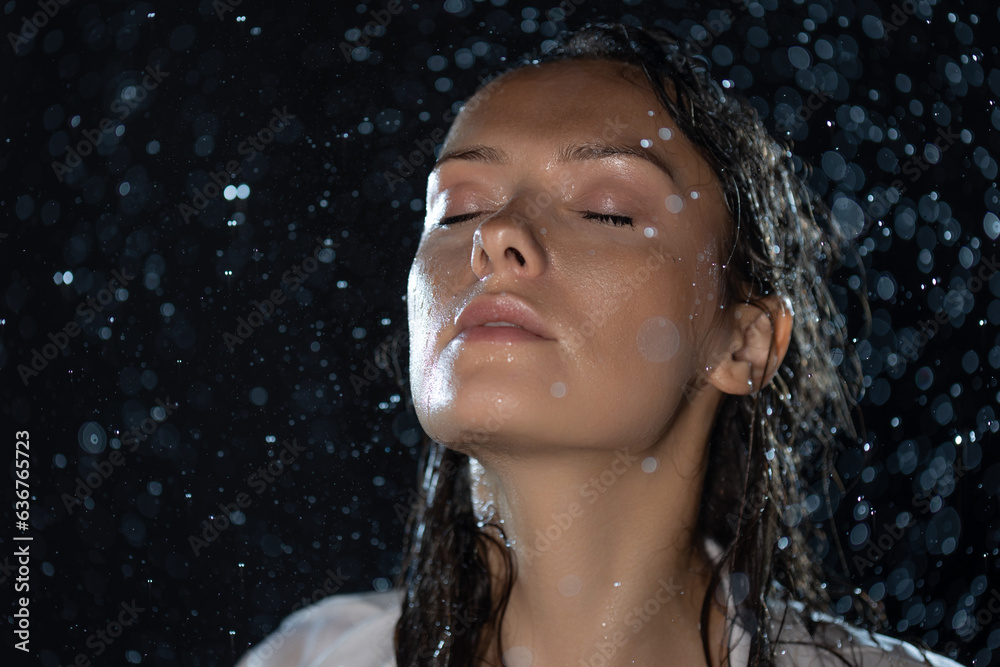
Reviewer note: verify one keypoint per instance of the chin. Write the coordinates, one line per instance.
(467, 418)
(480, 398)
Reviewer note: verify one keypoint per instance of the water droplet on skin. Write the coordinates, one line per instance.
(649, 232)
(694, 194)
(558, 389)
(645, 143)
(649, 464)
(517, 656)
(658, 339)
(674, 203)
(570, 585)
(665, 133)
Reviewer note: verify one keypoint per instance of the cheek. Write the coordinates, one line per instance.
(657, 324)
(708, 271)
(708, 297)
(429, 296)
(419, 302)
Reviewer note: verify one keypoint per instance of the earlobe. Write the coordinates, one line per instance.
(747, 359)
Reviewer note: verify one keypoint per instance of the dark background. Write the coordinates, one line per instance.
(869, 96)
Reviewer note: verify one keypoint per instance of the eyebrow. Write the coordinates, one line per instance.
(576, 153)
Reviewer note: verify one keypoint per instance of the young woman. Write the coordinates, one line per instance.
(623, 352)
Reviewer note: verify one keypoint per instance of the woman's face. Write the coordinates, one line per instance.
(567, 202)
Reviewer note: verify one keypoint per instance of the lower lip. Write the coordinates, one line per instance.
(498, 335)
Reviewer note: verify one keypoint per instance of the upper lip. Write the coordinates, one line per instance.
(501, 308)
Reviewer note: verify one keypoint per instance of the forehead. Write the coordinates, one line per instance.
(563, 92)
(573, 102)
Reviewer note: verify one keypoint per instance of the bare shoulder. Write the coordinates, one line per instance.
(825, 641)
(354, 628)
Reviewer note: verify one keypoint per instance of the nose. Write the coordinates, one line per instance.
(507, 243)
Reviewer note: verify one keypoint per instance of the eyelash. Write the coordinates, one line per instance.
(606, 218)
(455, 219)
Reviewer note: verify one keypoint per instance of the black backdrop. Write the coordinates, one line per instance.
(222, 323)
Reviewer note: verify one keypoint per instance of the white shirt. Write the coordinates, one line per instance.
(356, 630)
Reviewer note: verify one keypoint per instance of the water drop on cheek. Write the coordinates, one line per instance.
(649, 232)
(657, 339)
(570, 585)
(518, 656)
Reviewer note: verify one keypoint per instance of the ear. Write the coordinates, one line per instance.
(747, 359)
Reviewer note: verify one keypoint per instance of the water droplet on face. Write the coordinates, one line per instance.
(665, 133)
(674, 203)
(649, 232)
(649, 464)
(658, 339)
(570, 585)
(694, 194)
(517, 656)
(558, 389)
(543, 231)
(645, 143)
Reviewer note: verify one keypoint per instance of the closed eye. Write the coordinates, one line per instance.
(607, 218)
(616, 220)
(455, 219)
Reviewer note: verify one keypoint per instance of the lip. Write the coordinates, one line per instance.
(488, 308)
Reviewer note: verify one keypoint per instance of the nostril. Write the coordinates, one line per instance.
(517, 255)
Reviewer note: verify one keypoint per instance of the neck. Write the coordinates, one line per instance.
(610, 568)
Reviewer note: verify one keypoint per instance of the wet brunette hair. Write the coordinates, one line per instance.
(764, 448)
